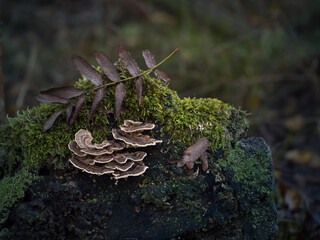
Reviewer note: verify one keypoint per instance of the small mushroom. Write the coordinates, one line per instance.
(192, 153)
(80, 163)
(130, 126)
(136, 170)
(204, 161)
(135, 141)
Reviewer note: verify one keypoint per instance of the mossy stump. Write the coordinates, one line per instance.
(44, 197)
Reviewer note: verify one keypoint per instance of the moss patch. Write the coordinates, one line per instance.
(186, 120)
(168, 194)
(23, 145)
(13, 188)
(249, 169)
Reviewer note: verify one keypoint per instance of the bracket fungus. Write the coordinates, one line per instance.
(130, 126)
(107, 157)
(194, 152)
(131, 133)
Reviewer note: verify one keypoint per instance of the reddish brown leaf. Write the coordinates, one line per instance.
(48, 124)
(87, 70)
(139, 89)
(64, 92)
(96, 100)
(119, 96)
(77, 109)
(45, 98)
(107, 66)
(68, 113)
(129, 61)
(133, 69)
(149, 58)
(162, 75)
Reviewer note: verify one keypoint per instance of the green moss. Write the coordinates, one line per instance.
(23, 145)
(13, 188)
(177, 192)
(188, 119)
(260, 222)
(5, 234)
(248, 166)
(251, 174)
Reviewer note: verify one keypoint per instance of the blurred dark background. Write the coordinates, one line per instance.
(262, 56)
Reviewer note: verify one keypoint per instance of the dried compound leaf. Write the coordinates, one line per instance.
(96, 100)
(77, 109)
(48, 124)
(65, 92)
(149, 58)
(87, 70)
(162, 75)
(120, 93)
(129, 61)
(107, 66)
(45, 98)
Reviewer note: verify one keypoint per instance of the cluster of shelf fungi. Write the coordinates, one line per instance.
(113, 157)
(108, 158)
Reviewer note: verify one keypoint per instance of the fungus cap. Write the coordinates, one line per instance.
(131, 126)
(83, 138)
(136, 141)
(81, 163)
(121, 167)
(136, 170)
(74, 147)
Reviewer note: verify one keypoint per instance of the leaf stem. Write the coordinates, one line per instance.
(143, 73)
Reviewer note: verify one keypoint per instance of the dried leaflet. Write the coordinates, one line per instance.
(87, 70)
(133, 69)
(96, 100)
(120, 93)
(107, 66)
(151, 62)
(162, 75)
(77, 109)
(138, 85)
(48, 124)
(65, 92)
(129, 61)
(45, 98)
(68, 114)
(149, 58)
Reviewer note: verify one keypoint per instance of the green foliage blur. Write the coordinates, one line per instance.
(229, 49)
